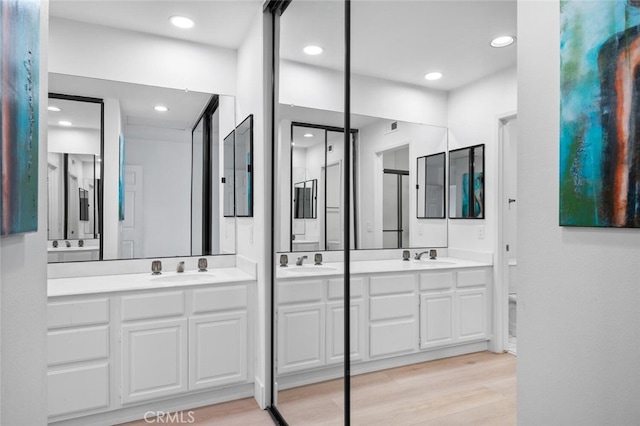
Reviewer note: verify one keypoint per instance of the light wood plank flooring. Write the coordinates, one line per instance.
(476, 389)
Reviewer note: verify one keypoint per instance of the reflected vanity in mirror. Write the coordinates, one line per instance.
(166, 171)
(244, 168)
(431, 175)
(73, 177)
(466, 183)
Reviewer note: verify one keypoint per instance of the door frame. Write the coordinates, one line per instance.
(500, 342)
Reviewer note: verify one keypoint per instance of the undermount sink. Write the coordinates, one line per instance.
(181, 278)
(309, 269)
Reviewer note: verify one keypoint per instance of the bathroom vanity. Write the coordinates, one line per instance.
(169, 341)
(402, 312)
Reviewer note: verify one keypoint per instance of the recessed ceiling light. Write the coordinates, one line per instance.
(308, 135)
(293, 144)
(182, 21)
(161, 108)
(313, 50)
(433, 76)
(53, 108)
(503, 41)
(64, 123)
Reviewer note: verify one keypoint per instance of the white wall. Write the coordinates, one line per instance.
(578, 297)
(253, 234)
(321, 88)
(74, 141)
(473, 119)
(139, 58)
(166, 197)
(111, 162)
(23, 294)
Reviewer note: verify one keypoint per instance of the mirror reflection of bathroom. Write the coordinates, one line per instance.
(395, 198)
(141, 144)
(73, 178)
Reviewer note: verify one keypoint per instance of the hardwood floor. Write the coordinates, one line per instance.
(476, 389)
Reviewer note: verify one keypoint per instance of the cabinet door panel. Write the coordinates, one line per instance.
(335, 331)
(154, 360)
(73, 345)
(217, 350)
(472, 314)
(393, 338)
(436, 320)
(301, 337)
(78, 388)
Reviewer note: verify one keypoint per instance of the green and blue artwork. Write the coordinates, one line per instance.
(600, 113)
(19, 88)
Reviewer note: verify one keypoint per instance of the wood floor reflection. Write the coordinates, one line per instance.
(477, 389)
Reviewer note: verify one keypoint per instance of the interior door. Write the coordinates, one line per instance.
(131, 243)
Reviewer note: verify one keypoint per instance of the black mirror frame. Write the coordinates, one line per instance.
(249, 170)
(471, 200)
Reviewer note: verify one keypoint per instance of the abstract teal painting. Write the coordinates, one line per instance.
(600, 113)
(19, 89)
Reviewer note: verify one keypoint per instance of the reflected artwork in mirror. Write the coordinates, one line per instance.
(466, 183)
(430, 187)
(244, 168)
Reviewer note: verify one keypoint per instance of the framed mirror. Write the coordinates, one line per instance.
(430, 186)
(244, 168)
(305, 197)
(466, 183)
(228, 176)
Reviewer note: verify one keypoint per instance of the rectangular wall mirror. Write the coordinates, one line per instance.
(73, 177)
(228, 179)
(466, 183)
(163, 172)
(244, 168)
(430, 187)
(305, 199)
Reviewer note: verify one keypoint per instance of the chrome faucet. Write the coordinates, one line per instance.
(419, 255)
(156, 267)
(202, 264)
(300, 260)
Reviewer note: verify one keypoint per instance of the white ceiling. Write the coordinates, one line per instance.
(393, 39)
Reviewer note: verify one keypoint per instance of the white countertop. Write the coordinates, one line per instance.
(145, 281)
(62, 249)
(376, 266)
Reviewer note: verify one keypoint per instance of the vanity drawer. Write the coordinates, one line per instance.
(390, 284)
(152, 306)
(433, 281)
(473, 278)
(299, 291)
(74, 345)
(393, 306)
(336, 288)
(77, 313)
(219, 299)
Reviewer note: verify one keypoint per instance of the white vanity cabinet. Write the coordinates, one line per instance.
(397, 318)
(453, 307)
(310, 318)
(79, 356)
(125, 348)
(393, 315)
